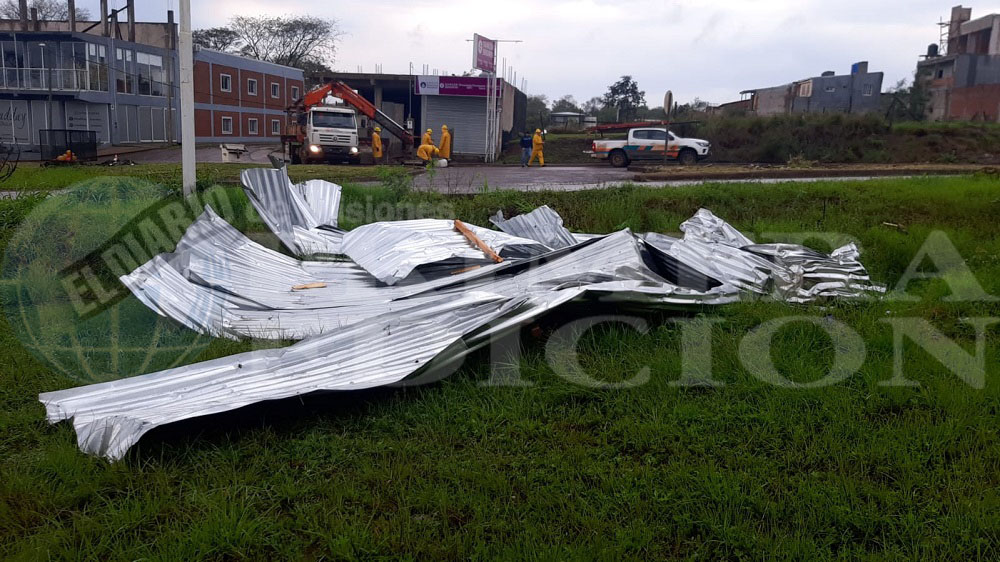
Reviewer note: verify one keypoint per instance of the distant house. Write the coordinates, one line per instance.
(962, 75)
(857, 92)
(567, 120)
(739, 107)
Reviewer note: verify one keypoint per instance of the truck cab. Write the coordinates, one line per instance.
(330, 133)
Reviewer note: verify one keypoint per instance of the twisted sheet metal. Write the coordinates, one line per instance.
(707, 227)
(359, 332)
(303, 216)
(543, 225)
(390, 251)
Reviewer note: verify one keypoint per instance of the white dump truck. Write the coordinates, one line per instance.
(323, 133)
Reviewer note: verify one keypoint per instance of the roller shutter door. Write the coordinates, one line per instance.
(466, 116)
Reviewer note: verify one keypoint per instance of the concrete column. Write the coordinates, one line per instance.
(131, 21)
(105, 31)
(172, 37)
(186, 55)
(72, 14)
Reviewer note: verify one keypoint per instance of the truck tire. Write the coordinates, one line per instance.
(687, 157)
(618, 158)
(296, 158)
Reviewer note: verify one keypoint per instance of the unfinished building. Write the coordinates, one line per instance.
(857, 92)
(961, 74)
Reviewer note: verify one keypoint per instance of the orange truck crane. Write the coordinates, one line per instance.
(318, 132)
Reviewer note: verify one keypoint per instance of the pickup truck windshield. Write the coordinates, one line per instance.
(334, 120)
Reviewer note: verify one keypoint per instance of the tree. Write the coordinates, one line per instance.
(48, 10)
(907, 103)
(593, 106)
(537, 112)
(287, 40)
(315, 73)
(216, 38)
(299, 41)
(626, 96)
(566, 103)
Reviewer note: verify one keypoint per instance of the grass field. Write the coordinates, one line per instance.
(31, 176)
(833, 138)
(561, 470)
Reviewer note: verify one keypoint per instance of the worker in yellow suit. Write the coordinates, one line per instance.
(445, 146)
(537, 144)
(427, 151)
(427, 139)
(377, 145)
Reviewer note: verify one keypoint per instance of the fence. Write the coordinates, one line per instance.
(57, 141)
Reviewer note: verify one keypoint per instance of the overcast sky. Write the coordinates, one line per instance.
(705, 49)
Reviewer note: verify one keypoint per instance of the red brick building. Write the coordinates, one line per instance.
(238, 99)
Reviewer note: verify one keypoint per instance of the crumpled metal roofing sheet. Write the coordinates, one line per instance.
(390, 251)
(304, 216)
(357, 331)
(543, 225)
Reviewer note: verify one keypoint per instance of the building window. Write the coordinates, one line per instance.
(275, 126)
(275, 90)
(295, 92)
(867, 90)
(806, 89)
(252, 126)
(227, 125)
(251, 87)
(940, 73)
(831, 89)
(225, 83)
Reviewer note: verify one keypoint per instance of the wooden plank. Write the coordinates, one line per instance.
(309, 286)
(460, 226)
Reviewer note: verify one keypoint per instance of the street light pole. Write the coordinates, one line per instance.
(186, 48)
(47, 61)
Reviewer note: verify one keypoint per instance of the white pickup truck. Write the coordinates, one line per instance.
(647, 144)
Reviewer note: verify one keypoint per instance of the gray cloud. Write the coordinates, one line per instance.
(578, 47)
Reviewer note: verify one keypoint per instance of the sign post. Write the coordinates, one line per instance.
(484, 57)
(668, 104)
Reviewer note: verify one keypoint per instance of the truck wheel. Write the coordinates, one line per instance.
(296, 158)
(618, 158)
(687, 157)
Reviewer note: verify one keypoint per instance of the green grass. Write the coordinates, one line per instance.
(559, 470)
(30, 176)
(830, 138)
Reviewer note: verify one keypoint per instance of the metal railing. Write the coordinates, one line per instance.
(54, 142)
(38, 79)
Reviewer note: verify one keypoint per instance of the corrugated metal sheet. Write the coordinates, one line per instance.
(390, 251)
(303, 217)
(358, 332)
(543, 225)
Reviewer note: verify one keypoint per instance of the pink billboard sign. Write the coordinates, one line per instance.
(475, 86)
(484, 53)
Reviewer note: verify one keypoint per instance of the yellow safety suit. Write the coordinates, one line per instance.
(427, 151)
(445, 146)
(376, 146)
(427, 139)
(537, 145)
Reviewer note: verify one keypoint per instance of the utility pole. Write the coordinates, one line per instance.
(186, 48)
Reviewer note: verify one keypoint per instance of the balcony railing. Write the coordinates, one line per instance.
(38, 79)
